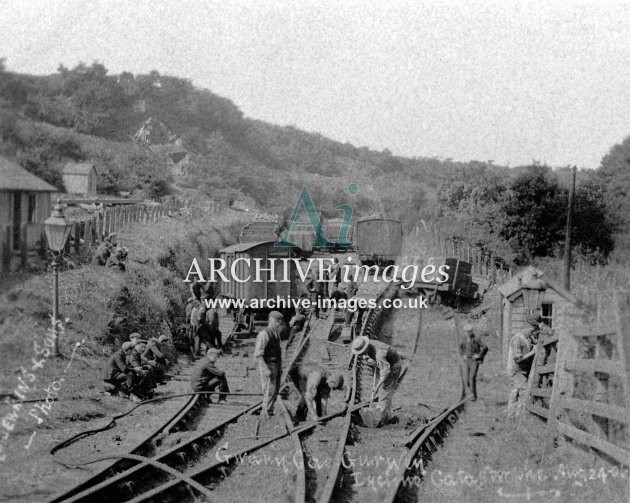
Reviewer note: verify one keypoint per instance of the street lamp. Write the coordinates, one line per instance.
(57, 232)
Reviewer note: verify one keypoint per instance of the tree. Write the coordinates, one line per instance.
(614, 172)
(534, 217)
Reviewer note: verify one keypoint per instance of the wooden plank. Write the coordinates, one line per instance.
(546, 369)
(600, 409)
(538, 410)
(542, 392)
(623, 341)
(614, 367)
(596, 334)
(612, 450)
(23, 246)
(551, 340)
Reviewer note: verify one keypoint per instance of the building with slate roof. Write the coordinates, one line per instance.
(25, 203)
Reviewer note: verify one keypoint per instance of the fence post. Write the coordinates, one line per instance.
(87, 234)
(23, 247)
(623, 340)
(562, 378)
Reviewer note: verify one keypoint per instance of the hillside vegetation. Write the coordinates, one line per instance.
(130, 125)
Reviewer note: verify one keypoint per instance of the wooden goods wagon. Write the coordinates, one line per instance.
(331, 229)
(379, 240)
(265, 288)
(257, 232)
(458, 288)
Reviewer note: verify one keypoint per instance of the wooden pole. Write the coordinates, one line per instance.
(567, 240)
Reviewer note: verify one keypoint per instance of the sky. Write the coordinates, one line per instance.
(508, 81)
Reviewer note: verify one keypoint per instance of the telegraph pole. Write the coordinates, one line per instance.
(567, 240)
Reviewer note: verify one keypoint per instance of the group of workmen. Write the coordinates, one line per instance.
(136, 368)
(312, 381)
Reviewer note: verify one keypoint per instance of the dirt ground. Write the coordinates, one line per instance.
(484, 458)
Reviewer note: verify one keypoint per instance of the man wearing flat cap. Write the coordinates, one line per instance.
(519, 364)
(206, 376)
(116, 372)
(389, 365)
(268, 353)
(472, 351)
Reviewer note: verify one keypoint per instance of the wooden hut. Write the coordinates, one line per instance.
(80, 178)
(25, 203)
(528, 293)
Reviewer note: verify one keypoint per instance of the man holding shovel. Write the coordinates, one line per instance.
(389, 364)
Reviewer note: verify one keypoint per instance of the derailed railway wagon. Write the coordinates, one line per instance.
(249, 278)
(458, 290)
(379, 240)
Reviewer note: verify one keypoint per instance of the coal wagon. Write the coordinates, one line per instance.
(257, 232)
(332, 228)
(458, 290)
(379, 240)
(241, 284)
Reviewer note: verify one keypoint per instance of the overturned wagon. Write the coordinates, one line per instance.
(379, 240)
(252, 275)
(452, 283)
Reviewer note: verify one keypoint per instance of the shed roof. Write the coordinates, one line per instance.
(531, 278)
(14, 177)
(368, 219)
(242, 247)
(78, 168)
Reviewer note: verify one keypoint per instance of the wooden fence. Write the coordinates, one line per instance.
(579, 384)
(90, 232)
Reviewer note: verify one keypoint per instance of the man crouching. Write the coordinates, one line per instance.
(207, 377)
(315, 385)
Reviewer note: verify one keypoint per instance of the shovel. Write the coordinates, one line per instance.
(371, 416)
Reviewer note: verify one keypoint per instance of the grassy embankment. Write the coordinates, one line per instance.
(102, 306)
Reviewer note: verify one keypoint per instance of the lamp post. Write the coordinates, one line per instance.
(57, 232)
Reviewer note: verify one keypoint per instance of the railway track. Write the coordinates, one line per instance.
(203, 467)
(422, 443)
(182, 415)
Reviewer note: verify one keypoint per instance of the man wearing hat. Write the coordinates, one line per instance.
(519, 363)
(268, 353)
(116, 373)
(298, 321)
(206, 376)
(314, 384)
(142, 379)
(153, 356)
(472, 351)
(389, 365)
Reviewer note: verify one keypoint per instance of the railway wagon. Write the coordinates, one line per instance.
(331, 229)
(257, 232)
(379, 240)
(458, 290)
(241, 269)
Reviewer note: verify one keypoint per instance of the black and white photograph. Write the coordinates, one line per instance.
(314, 252)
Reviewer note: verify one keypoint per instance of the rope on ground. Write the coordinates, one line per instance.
(112, 422)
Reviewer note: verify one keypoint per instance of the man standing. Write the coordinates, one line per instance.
(519, 364)
(207, 377)
(389, 365)
(297, 322)
(212, 322)
(268, 353)
(314, 384)
(472, 351)
(315, 289)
